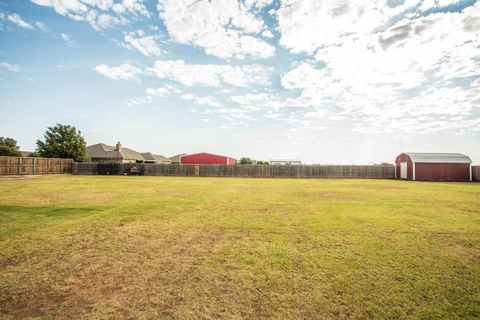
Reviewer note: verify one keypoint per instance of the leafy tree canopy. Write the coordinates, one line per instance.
(9, 147)
(245, 160)
(63, 141)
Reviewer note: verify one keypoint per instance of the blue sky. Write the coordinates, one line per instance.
(321, 81)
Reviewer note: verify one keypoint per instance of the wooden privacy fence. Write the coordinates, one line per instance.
(33, 166)
(268, 171)
(476, 173)
(30, 165)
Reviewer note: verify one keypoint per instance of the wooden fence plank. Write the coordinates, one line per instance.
(476, 173)
(34, 166)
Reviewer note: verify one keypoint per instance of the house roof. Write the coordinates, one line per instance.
(130, 154)
(176, 158)
(155, 157)
(210, 154)
(438, 157)
(103, 151)
(148, 156)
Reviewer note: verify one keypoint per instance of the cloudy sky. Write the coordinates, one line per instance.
(320, 81)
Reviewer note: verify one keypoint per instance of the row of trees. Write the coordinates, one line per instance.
(60, 141)
(246, 160)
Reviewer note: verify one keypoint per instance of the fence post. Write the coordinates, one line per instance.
(19, 165)
(34, 165)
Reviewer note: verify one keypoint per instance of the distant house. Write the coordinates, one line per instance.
(285, 162)
(176, 159)
(206, 158)
(101, 152)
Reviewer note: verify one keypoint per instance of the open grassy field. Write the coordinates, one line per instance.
(220, 248)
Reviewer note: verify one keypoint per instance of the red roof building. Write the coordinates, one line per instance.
(206, 158)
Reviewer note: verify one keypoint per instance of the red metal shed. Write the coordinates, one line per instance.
(433, 166)
(206, 158)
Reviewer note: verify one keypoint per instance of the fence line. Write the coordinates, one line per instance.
(260, 171)
(476, 173)
(39, 166)
(34, 165)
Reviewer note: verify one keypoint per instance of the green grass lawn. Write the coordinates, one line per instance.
(220, 248)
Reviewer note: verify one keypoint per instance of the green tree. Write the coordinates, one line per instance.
(245, 160)
(9, 147)
(63, 141)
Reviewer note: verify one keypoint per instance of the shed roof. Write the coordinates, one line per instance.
(438, 157)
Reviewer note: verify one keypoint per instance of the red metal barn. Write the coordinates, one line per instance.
(433, 167)
(206, 158)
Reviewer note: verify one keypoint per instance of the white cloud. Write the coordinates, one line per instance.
(211, 106)
(162, 91)
(379, 65)
(140, 101)
(143, 43)
(259, 4)
(267, 34)
(252, 98)
(159, 92)
(306, 25)
(123, 72)
(223, 28)
(15, 18)
(102, 21)
(42, 26)
(152, 93)
(388, 76)
(70, 42)
(119, 8)
(101, 4)
(98, 13)
(64, 7)
(202, 100)
(10, 67)
(259, 101)
(133, 6)
(212, 75)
